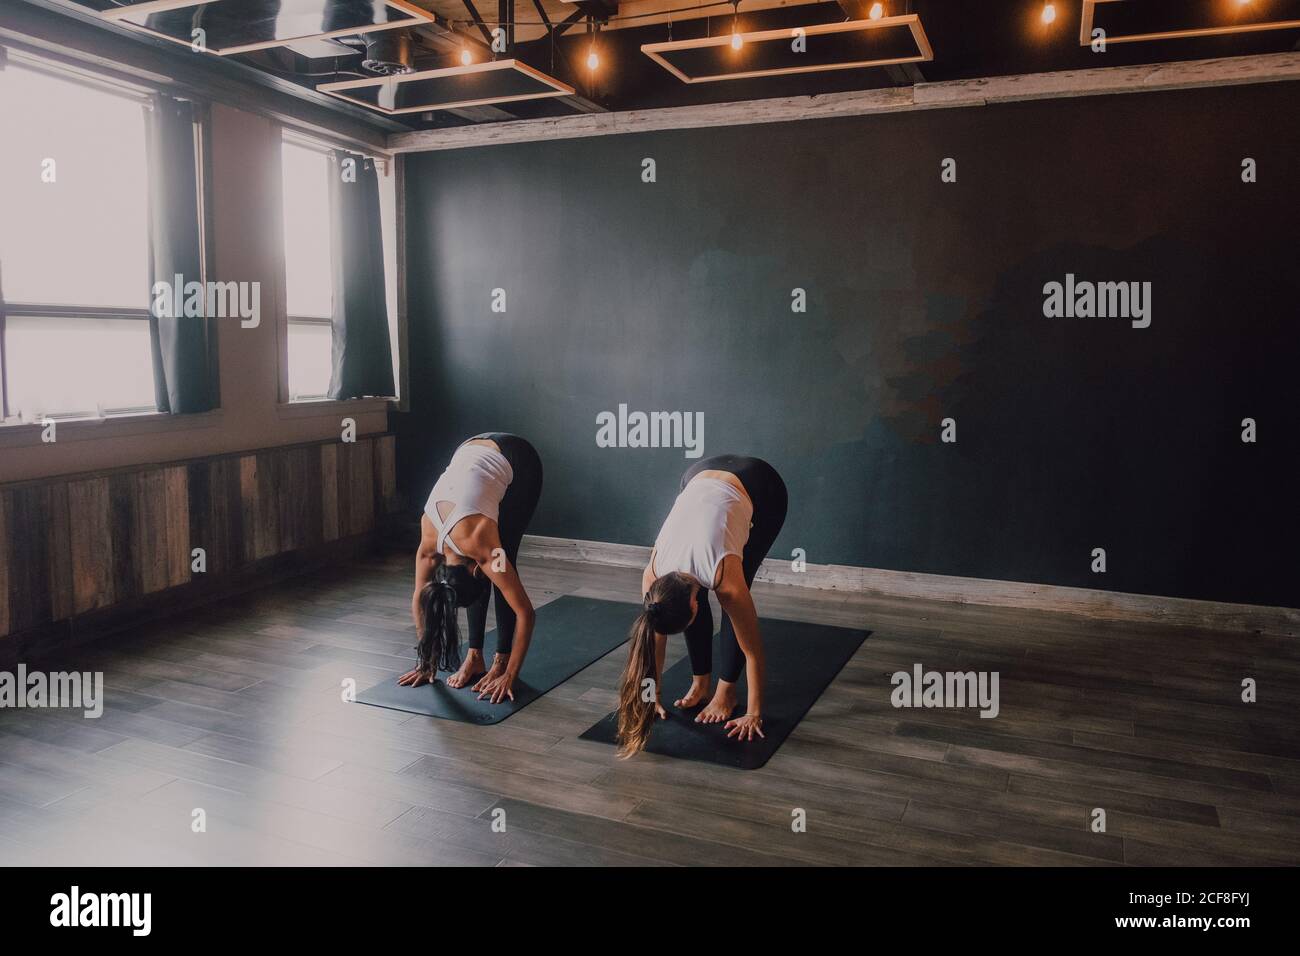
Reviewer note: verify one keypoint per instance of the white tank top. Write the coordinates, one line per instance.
(710, 520)
(474, 482)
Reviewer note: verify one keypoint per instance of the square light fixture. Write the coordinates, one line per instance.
(1127, 21)
(477, 84)
(238, 26)
(851, 45)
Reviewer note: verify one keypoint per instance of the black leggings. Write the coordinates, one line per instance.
(767, 492)
(516, 511)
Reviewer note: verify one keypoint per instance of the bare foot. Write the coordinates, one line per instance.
(496, 670)
(471, 670)
(699, 690)
(720, 708)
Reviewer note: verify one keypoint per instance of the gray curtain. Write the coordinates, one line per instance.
(363, 358)
(182, 367)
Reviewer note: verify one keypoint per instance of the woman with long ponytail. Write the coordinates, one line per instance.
(473, 523)
(727, 515)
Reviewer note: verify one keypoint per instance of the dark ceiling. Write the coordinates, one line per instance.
(970, 38)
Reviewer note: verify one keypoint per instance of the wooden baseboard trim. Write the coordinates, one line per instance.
(1082, 602)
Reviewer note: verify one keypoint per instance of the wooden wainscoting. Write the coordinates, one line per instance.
(74, 546)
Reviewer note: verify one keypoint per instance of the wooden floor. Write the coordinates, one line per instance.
(236, 710)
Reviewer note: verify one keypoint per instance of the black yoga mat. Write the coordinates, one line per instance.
(570, 634)
(802, 660)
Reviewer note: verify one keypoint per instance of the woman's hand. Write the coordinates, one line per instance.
(416, 677)
(660, 712)
(497, 688)
(744, 728)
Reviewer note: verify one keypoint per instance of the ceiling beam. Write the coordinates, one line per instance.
(478, 21)
(506, 22)
(482, 114)
(541, 12)
(1146, 78)
(572, 20)
(905, 74)
(580, 104)
(441, 36)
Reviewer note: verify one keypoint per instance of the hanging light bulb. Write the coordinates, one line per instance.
(466, 58)
(1049, 12)
(877, 11)
(737, 41)
(593, 61)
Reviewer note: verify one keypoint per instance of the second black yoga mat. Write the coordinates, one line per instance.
(570, 634)
(802, 660)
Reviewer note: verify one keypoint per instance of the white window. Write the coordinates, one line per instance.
(308, 270)
(308, 266)
(74, 245)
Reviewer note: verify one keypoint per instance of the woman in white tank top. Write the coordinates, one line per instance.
(473, 522)
(721, 527)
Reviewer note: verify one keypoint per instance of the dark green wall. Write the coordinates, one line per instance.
(924, 301)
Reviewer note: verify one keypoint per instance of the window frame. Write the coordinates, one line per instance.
(384, 165)
(4, 367)
(27, 310)
(289, 135)
(142, 95)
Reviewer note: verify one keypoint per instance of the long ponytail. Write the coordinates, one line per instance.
(667, 610)
(636, 715)
(439, 647)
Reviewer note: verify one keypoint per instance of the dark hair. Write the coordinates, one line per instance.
(667, 610)
(668, 602)
(453, 586)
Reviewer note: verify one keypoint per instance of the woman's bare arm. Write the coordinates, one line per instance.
(733, 595)
(493, 563)
(648, 575)
(426, 560)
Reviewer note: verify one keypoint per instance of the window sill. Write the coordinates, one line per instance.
(119, 426)
(331, 408)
